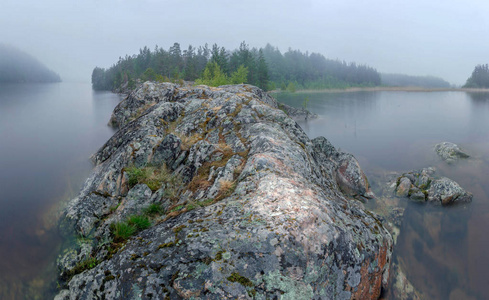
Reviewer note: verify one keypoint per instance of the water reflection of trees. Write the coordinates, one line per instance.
(479, 98)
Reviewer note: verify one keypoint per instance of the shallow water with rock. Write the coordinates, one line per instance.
(47, 133)
(441, 249)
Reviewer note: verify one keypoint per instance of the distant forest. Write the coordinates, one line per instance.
(17, 66)
(266, 68)
(417, 81)
(479, 77)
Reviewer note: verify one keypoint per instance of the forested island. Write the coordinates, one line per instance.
(402, 80)
(267, 68)
(479, 77)
(19, 67)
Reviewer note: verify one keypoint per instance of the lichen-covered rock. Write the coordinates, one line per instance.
(346, 170)
(253, 207)
(421, 186)
(446, 191)
(403, 187)
(450, 152)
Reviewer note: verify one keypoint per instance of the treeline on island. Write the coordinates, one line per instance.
(402, 80)
(266, 68)
(479, 77)
(18, 67)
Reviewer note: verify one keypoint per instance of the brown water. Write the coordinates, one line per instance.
(47, 133)
(444, 250)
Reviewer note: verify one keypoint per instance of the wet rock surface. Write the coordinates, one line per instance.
(296, 113)
(450, 152)
(250, 207)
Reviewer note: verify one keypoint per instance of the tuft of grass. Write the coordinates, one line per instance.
(225, 149)
(87, 264)
(225, 185)
(153, 177)
(226, 188)
(135, 175)
(206, 202)
(122, 231)
(177, 208)
(191, 206)
(153, 210)
(114, 208)
(189, 141)
(140, 222)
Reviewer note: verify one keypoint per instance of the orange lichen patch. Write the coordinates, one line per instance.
(370, 285)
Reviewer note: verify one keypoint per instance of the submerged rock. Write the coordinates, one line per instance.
(422, 186)
(296, 113)
(402, 288)
(450, 152)
(252, 207)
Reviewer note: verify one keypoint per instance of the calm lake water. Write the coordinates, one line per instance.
(47, 134)
(444, 250)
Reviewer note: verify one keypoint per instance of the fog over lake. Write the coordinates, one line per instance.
(444, 39)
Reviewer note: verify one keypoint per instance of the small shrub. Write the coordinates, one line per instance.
(139, 222)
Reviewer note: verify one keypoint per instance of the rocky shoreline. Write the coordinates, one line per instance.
(215, 193)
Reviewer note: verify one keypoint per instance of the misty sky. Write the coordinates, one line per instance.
(417, 37)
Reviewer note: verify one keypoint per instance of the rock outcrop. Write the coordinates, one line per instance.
(296, 113)
(242, 205)
(421, 186)
(450, 152)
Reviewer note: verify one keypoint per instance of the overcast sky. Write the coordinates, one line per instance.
(417, 37)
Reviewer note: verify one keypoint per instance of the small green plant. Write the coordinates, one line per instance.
(153, 210)
(305, 102)
(177, 208)
(206, 202)
(87, 264)
(135, 175)
(113, 208)
(191, 206)
(140, 222)
(122, 231)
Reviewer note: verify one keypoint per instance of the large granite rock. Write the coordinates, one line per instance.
(254, 208)
(450, 152)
